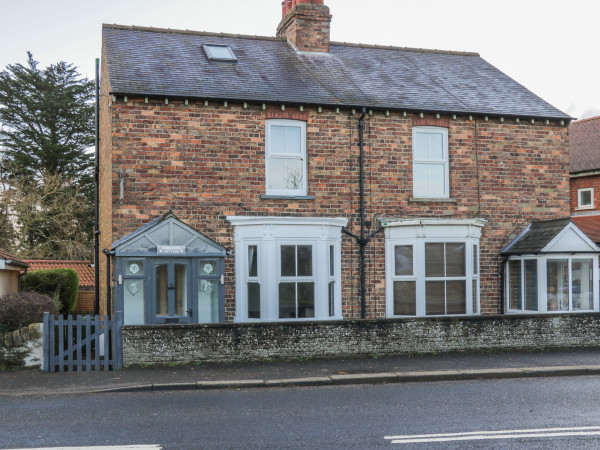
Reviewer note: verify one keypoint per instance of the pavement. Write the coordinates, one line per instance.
(316, 372)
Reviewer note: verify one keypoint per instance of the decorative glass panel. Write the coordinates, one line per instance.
(583, 285)
(514, 290)
(456, 297)
(531, 290)
(287, 300)
(455, 260)
(434, 260)
(304, 260)
(161, 290)
(133, 302)
(403, 260)
(435, 298)
(208, 267)
(252, 261)
(134, 268)
(208, 301)
(558, 284)
(405, 298)
(253, 300)
(306, 300)
(288, 260)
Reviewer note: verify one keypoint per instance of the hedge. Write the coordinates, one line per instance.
(19, 309)
(60, 283)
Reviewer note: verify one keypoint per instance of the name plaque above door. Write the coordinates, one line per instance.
(171, 249)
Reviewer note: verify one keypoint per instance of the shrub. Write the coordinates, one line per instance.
(62, 284)
(20, 309)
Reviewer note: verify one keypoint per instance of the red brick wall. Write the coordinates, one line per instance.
(582, 183)
(207, 162)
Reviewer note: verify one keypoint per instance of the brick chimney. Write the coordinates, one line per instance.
(305, 25)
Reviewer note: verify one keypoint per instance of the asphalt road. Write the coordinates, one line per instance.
(536, 413)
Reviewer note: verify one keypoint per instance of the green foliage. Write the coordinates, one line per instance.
(47, 121)
(20, 309)
(61, 284)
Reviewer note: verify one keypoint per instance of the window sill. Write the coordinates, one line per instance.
(432, 200)
(287, 197)
(585, 208)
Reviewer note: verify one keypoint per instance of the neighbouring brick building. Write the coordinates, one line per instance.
(230, 183)
(584, 150)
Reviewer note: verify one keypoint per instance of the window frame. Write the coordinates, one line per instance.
(580, 204)
(444, 162)
(270, 154)
(542, 282)
(419, 232)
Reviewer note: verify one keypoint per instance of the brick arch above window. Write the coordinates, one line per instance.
(430, 122)
(288, 114)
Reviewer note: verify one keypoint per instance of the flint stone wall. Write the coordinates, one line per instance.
(182, 344)
(22, 348)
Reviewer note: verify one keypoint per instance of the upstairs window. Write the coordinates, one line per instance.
(286, 157)
(430, 162)
(585, 198)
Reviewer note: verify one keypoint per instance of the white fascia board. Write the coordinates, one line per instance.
(441, 222)
(571, 227)
(298, 221)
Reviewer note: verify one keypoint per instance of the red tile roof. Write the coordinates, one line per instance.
(8, 257)
(584, 145)
(590, 225)
(83, 268)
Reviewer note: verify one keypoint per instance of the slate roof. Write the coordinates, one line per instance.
(590, 225)
(536, 237)
(584, 145)
(14, 261)
(171, 63)
(84, 269)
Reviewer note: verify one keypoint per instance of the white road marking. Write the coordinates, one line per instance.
(101, 447)
(500, 434)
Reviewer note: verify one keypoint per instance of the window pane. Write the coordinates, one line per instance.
(456, 297)
(514, 288)
(558, 285)
(180, 289)
(292, 140)
(134, 268)
(585, 198)
(434, 260)
(252, 261)
(276, 175)
(475, 261)
(434, 298)
(161, 290)
(475, 296)
(304, 260)
(253, 301)
(287, 300)
(531, 292)
(436, 149)
(294, 174)
(583, 285)
(455, 260)
(331, 298)
(421, 146)
(133, 302)
(437, 179)
(331, 262)
(208, 301)
(208, 267)
(403, 259)
(288, 260)
(306, 300)
(277, 144)
(421, 179)
(405, 298)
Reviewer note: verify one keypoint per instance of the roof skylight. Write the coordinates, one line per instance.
(216, 52)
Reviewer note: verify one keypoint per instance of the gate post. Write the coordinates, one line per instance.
(46, 343)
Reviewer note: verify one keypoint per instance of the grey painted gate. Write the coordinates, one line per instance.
(84, 343)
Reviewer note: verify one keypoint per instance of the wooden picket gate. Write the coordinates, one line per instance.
(84, 343)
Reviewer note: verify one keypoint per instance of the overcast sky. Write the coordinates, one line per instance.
(550, 46)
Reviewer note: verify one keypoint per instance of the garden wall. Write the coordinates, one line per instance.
(22, 348)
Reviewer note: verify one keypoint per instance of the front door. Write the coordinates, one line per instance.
(171, 293)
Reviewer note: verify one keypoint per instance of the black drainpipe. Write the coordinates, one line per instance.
(97, 198)
(363, 239)
(108, 254)
(502, 283)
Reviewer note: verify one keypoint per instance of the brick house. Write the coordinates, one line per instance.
(584, 152)
(291, 178)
